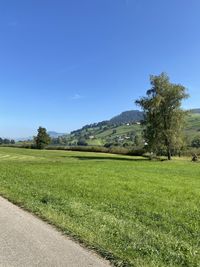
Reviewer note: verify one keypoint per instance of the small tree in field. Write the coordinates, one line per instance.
(42, 139)
(163, 116)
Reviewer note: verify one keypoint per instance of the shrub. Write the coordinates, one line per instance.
(82, 142)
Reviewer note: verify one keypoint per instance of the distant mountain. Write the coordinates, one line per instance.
(127, 117)
(22, 139)
(136, 116)
(54, 134)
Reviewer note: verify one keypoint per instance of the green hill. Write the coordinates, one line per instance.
(127, 117)
(122, 130)
(107, 134)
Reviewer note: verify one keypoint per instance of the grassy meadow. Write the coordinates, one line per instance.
(133, 211)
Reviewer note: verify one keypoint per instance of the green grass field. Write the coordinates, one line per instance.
(133, 211)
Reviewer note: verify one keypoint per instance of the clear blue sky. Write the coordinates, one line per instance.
(65, 63)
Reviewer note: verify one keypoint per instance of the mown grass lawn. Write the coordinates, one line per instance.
(134, 211)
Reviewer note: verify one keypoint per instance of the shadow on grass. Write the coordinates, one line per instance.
(107, 158)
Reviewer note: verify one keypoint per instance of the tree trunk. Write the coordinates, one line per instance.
(169, 154)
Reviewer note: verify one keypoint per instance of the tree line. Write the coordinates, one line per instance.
(6, 141)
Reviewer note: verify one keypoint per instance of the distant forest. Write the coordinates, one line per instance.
(6, 141)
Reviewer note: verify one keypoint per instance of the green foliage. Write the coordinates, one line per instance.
(196, 142)
(42, 139)
(138, 142)
(163, 117)
(82, 142)
(132, 210)
(6, 141)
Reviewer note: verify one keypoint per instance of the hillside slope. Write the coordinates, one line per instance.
(127, 117)
(125, 130)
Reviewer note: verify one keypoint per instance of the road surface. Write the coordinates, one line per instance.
(28, 241)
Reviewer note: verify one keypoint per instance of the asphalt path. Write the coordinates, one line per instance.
(26, 240)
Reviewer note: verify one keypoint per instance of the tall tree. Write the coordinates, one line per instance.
(42, 139)
(163, 116)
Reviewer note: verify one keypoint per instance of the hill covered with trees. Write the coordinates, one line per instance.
(122, 130)
(127, 117)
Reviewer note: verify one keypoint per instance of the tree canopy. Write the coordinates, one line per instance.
(42, 139)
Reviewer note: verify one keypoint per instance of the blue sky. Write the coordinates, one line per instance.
(65, 63)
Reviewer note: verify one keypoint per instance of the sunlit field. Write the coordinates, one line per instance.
(132, 211)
